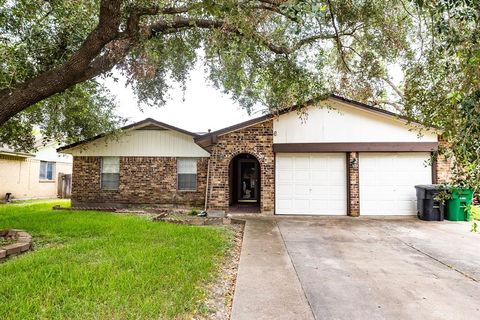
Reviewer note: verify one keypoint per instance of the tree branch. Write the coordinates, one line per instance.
(393, 86)
(397, 106)
(59, 79)
(178, 23)
(337, 36)
(108, 44)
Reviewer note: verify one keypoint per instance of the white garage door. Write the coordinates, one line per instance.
(387, 182)
(311, 184)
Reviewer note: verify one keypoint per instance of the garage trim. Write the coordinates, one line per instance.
(356, 147)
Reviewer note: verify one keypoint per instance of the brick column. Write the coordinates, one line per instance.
(442, 167)
(353, 194)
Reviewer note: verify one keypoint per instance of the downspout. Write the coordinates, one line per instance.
(206, 185)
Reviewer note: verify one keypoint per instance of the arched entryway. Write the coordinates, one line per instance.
(244, 184)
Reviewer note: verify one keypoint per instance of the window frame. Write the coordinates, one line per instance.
(102, 173)
(54, 170)
(196, 175)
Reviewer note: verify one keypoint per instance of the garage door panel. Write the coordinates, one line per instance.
(378, 181)
(320, 192)
(287, 204)
(337, 192)
(284, 190)
(320, 206)
(387, 182)
(318, 163)
(403, 191)
(285, 176)
(335, 206)
(310, 184)
(302, 162)
(337, 178)
(375, 192)
(406, 205)
(319, 177)
(301, 175)
(379, 207)
(284, 164)
(301, 204)
(336, 166)
(300, 190)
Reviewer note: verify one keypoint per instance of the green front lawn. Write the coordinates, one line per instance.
(106, 266)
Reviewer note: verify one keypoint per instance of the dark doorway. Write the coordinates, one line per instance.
(244, 183)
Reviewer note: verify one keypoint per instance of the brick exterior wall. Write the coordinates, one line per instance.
(443, 165)
(153, 180)
(256, 140)
(143, 180)
(353, 183)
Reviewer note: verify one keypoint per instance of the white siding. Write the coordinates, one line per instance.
(143, 143)
(49, 153)
(344, 124)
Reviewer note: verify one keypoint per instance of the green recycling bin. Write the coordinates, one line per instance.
(458, 206)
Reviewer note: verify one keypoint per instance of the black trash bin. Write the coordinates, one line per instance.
(428, 208)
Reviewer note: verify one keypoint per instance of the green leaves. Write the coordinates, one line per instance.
(39, 35)
(81, 112)
(443, 87)
(261, 52)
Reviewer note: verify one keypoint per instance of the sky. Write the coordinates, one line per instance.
(203, 107)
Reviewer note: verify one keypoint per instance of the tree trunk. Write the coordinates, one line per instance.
(73, 71)
(33, 91)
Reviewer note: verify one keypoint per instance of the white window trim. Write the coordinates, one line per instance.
(101, 174)
(196, 176)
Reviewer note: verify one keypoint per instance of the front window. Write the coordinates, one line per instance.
(110, 173)
(47, 170)
(187, 174)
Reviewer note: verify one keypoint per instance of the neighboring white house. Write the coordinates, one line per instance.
(32, 175)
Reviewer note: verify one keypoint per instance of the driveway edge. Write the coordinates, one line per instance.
(267, 284)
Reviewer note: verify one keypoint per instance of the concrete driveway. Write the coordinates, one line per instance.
(357, 268)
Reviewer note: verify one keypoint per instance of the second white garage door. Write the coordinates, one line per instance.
(387, 182)
(311, 184)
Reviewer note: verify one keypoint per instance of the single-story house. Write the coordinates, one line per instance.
(35, 175)
(340, 157)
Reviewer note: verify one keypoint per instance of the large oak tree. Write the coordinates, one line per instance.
(274, 52)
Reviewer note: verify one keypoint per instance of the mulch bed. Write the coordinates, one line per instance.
(170, 215)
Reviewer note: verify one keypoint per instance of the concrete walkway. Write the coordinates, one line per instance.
(267, 285)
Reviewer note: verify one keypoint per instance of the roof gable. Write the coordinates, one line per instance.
(335, 121)
(210, 138)
(147, 124)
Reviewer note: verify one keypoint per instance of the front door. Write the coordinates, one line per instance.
(248, 186)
